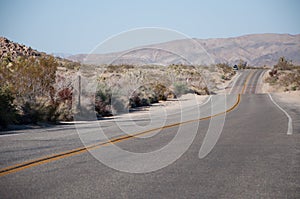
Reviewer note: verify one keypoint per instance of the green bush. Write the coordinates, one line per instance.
(8, 112)
(180, 89)
(119, 105)
(33, 112)
(294, 88)
(103, 101)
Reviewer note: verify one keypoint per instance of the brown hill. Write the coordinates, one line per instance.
(256, 50)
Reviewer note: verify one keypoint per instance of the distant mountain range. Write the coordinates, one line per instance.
(61, 55)
(255, 49)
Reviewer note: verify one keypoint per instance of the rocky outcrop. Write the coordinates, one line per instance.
(13, 50)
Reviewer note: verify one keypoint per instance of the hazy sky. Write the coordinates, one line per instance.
(78, 26)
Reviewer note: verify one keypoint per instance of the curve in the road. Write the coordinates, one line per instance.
(47, 159)
(290, 122)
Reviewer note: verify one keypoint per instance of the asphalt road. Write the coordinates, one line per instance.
(253, 157)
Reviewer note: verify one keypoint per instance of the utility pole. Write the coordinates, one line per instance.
(79, 92)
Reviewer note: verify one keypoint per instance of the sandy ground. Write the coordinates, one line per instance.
(266, 88)
(223, 86)
(291, 97)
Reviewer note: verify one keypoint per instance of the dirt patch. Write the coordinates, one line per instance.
(291, 97)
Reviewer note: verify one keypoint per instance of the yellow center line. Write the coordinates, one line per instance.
(46, 159)
(246, 82)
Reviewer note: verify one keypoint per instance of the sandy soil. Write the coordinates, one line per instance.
(223, 86)
(266, 88)
(290, 97)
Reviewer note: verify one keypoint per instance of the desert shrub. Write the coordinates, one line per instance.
(153, 99)
(118, 68)
(145, 102)
(283, 64)
(119, 104)
(226, 69)
(102, 101)
(108, 101)
(64, 104)
(30, 78)
(8, 112)
(160, 91)
(64, 112)
(290, 78)
(242, 64)
(50, 113)
(295, 78)
(273, 72)
(31, 83)
(271, 80)
(294, 88)
(33, 112)
(65, 94)
(206, 90)
(143, 96)
(180, 67)
(180, 89)
(135, 100)
(70, 65)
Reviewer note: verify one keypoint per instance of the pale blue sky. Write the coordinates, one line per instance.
(77, 26)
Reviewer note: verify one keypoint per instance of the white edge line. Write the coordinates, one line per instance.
(206, 101)
(290, 123)
(234, 82)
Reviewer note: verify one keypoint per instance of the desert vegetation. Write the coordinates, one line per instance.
(41, 89)
(123, 87)
(36, 87)
(285, 75)
(31, 90)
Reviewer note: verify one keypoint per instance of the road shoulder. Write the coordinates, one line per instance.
(290, 102)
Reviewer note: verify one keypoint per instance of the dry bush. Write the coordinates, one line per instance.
(226, 71)
(39, 97)
(118, 68)
(160, 91)
(181, 89)
(284, 64)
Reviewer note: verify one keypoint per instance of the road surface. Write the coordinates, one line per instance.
(253, 157)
